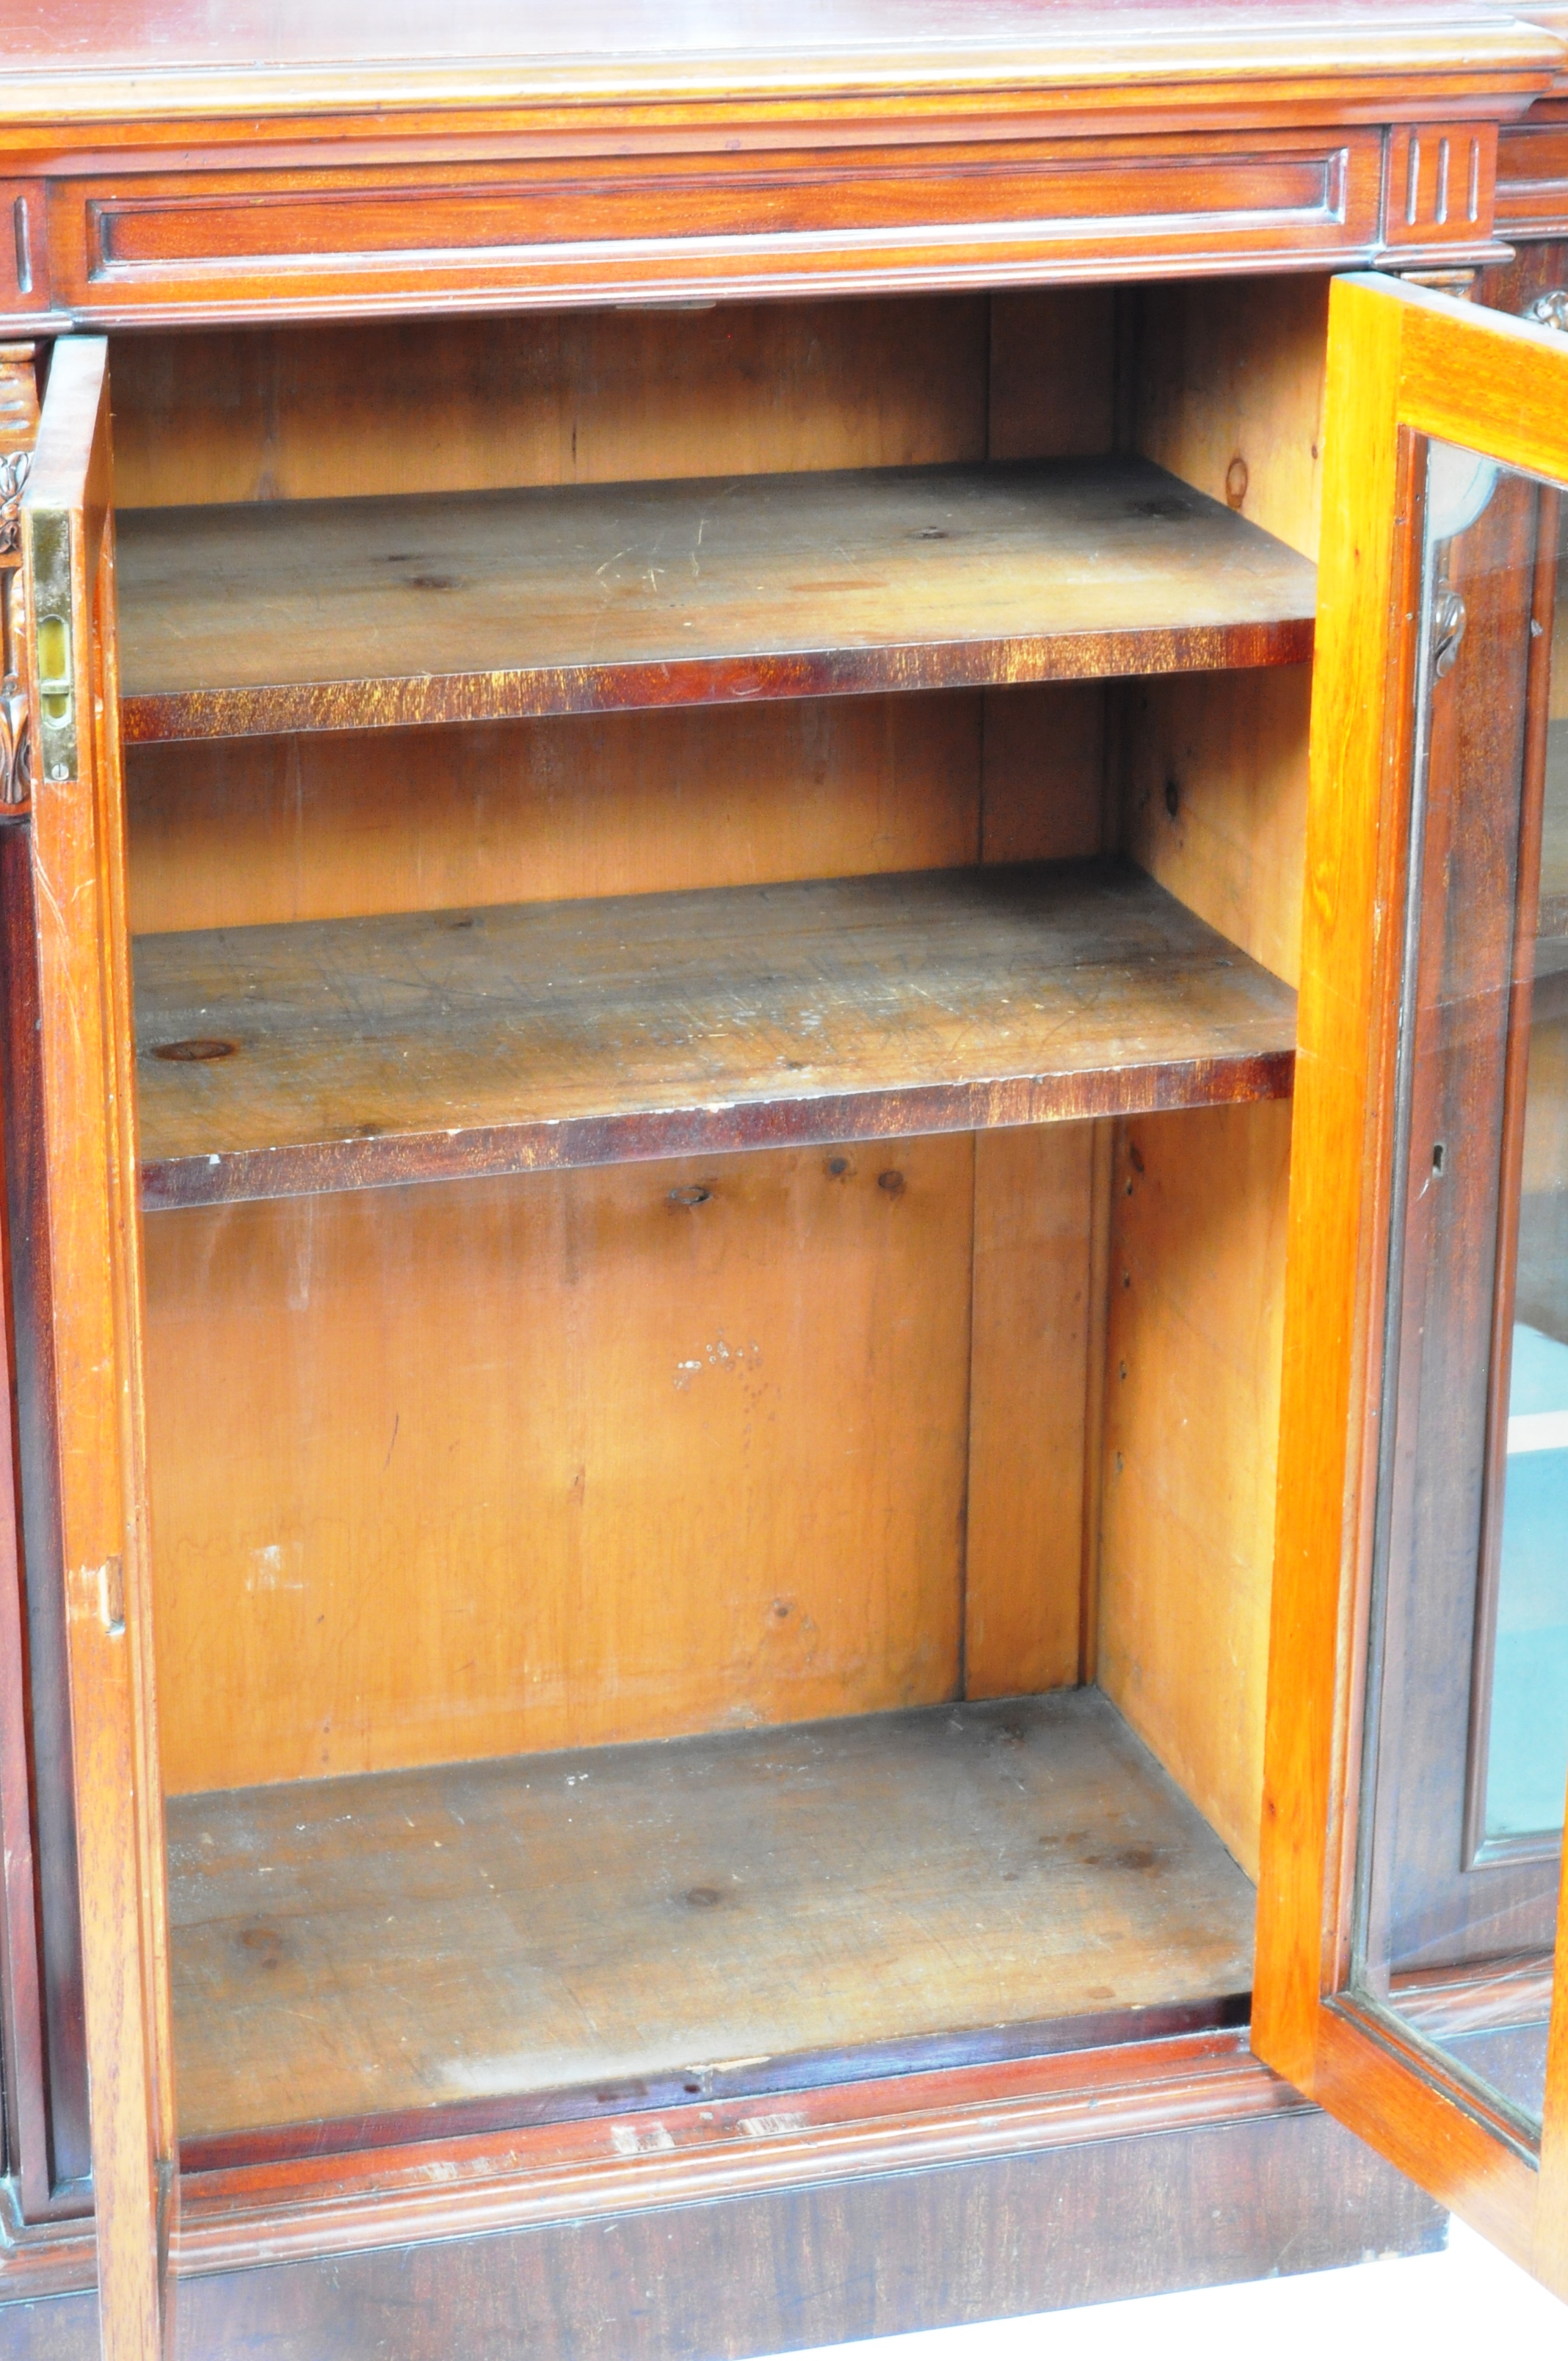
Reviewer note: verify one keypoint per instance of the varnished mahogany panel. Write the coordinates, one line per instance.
(1438, 189)
(268, 617)
(1245, 2183)
(1532, 179)
(280, 1061)
(711, 220)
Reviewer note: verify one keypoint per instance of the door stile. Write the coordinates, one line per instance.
(1345, 1063)
(89, 1128)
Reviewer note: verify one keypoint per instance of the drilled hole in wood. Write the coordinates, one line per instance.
(194, 1053)
(695, 1195)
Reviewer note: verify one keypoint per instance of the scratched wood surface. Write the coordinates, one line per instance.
(336, 614)
(282, 1059)
(404, 1941)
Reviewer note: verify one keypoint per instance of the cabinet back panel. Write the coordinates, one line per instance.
(604, 397)
(257, 831)
(447, 1472)
(1196, 1288)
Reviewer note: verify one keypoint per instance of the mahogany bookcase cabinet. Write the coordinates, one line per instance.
(671, 858)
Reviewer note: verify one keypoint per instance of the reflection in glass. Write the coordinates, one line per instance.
(1466, 1734)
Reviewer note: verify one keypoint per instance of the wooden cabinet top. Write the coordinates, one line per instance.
(164, 161)
(125, 72)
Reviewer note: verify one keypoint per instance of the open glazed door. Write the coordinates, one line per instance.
(1412, 1970)
(66, 646)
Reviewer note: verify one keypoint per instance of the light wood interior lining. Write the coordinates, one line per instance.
(1210, 779)
(470, 1469)
(609, 397)
(774, 1536)
(1229, 396)
(1195, 1299)
(272, 829)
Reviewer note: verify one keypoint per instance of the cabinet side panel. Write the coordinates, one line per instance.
(555, 397)
(1214, 801)
(1229, 394)
(1196, 1254)
(447, 1472)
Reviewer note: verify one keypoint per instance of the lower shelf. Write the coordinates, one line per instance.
(696, 1907)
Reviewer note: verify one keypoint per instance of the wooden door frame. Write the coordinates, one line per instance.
(85, 1051)
(1404, 363)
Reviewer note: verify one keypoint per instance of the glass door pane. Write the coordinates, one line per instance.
(1467, 1743)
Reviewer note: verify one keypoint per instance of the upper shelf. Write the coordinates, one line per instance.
(356, 614)
(352, 1053)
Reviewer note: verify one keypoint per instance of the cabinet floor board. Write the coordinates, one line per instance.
(404, 1941)
(284, 1060)
(349, 614)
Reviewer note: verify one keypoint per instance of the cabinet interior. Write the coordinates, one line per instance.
(712, 1496)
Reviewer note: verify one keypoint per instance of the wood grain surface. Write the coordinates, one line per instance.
(1196, 1298)
(109, 60)
(562, 1458)
(280, 1061)
(1149, 2157)
(332, 614)
(414, 1938)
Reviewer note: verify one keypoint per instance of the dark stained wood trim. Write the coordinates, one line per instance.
(1123, 2029)
(1078, 2223)
(710, 222)
(584, 2170)
(1533, 179)
(1024, 2232)
(50, 2179)
(23, 2073)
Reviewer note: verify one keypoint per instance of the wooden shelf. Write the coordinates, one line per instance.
(412, 1939)
(352, 614)
(283, 1060)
